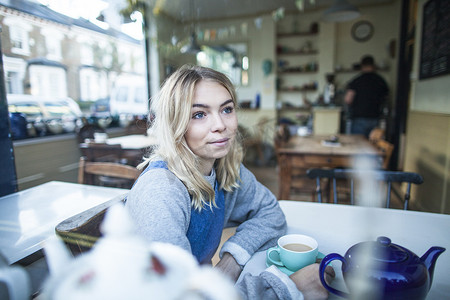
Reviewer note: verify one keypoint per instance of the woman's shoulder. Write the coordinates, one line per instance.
(245, 173)
(159, 183)
(159, 177)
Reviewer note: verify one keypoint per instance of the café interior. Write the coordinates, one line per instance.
(286, 56)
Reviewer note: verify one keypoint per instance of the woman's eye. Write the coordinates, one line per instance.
(228, 109)
(198, 115)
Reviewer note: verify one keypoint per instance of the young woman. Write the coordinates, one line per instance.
(194, 184)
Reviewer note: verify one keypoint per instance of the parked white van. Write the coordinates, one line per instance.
(46, 115)
(129, 97)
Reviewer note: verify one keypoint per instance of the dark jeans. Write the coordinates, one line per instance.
(363, 126)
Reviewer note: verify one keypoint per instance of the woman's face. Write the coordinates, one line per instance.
(212, 128)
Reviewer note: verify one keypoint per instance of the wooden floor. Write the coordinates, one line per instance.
(268, 176)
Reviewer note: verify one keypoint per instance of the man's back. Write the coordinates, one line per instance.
(370, 93)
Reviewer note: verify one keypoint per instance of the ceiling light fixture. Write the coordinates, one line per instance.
(192, 47)
(341, 11)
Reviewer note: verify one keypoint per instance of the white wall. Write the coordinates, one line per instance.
(386, 22)
(428, 134)
(428, 95)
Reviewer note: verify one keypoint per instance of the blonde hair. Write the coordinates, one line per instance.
(172, 113)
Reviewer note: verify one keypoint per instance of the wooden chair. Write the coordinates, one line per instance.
(255, 139)
(282, 135)
(387, 149)
(81, 231)
(376, 134)
(118, 175)
(300, 184)
(100, 152)
(137, 126)
(356, 176)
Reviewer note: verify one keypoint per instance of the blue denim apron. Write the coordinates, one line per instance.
(205, 226)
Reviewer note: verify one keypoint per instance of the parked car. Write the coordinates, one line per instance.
(19, 126)
(101, 114)
(46, 115)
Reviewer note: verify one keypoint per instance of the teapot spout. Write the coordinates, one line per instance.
(429, 259)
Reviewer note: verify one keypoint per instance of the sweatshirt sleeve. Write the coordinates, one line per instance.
(258, 217)
(270, 284)
(159, 205)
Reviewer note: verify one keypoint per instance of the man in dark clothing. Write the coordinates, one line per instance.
(365, 96)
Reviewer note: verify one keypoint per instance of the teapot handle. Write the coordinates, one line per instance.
(323, 264)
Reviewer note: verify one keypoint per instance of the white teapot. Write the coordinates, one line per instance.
(122, 266)
(14, 282)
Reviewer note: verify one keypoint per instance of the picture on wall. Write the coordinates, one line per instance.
(435, 46)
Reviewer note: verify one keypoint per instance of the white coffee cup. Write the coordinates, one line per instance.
(100, 137)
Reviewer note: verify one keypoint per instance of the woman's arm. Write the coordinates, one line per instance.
(257, 215)
(159, 205)
(349, 96)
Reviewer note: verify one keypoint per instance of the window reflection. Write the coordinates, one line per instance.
(230, 59)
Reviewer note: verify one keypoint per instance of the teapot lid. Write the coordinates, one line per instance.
(383, 250)
(392, 252)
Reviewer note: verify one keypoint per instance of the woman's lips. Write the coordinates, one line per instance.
(220, 142)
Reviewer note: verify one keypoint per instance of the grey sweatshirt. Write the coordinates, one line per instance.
(160, 206)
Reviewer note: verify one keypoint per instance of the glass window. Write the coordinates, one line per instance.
(87, 54)
(53, 39)
(139, 97)
(48, 81)
(19, 40)
(53, 48)
(230, 59)
(122, 94)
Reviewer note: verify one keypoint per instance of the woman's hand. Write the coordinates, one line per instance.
(228, 266)
(308, 282)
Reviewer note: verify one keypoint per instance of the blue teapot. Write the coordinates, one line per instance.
(383, 270)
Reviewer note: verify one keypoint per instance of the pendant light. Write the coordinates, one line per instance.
(192, 47)
(341, 11)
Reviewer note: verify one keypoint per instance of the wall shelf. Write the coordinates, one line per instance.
(297, 72)
(296, 34)
(296, 90)
(344, 71)
(296, 109)
(312, 52)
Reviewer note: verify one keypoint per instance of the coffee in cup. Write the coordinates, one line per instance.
(293, 251)
(297, 247)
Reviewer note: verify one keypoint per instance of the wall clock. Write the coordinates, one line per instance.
(362, 31)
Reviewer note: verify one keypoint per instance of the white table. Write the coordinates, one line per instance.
(133, 142)
(338, 227)
(29, 217)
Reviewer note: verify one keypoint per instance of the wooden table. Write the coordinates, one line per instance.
(337, 227)
(29, 217)
(133, 142)
(302, 153)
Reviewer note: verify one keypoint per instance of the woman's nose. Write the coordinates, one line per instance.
(218, 123)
